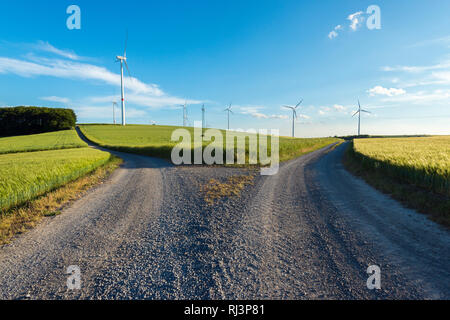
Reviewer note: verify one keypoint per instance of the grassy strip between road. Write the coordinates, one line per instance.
(66, 139)
(156, 140)
(415, 171)
(216, 190)
(21, 218)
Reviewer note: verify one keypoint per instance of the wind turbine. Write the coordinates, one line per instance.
(114, 111)
(294, 115)
(203, 118)
(228, 110)
(185, 118)
(123, 60)
(359, 117)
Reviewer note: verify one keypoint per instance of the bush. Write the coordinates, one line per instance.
(31, 120)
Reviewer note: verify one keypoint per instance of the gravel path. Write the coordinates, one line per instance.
(309, 232)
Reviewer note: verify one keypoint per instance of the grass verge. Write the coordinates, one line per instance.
(21, 218)
(435, 206)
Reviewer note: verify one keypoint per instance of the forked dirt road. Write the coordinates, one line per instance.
(310, 232)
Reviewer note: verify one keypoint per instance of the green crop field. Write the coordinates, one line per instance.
(423, 162)
(65, 139)
(24, 176)
(155, 140)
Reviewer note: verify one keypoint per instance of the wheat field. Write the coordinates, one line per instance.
(423, 161)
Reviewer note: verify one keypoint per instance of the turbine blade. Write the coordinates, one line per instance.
(359, 105)
(355, 113)
(126, 65)
(365, 111)
(298, 104)
(126, 43)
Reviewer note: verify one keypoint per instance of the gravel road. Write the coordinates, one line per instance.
(309, 232)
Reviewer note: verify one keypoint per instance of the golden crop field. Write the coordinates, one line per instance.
(424, 161)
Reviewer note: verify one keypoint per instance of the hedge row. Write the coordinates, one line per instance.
(31, 120)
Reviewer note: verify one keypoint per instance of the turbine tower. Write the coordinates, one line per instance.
(123, 60)
(359, 117)
(229, 110)
(294, 115)
(185, 118)
(114, 111)
(203, 118)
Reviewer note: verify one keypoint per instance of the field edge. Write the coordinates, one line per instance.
(165, 151)
(21, 218)
(435, 206)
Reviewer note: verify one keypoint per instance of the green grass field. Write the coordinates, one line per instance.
(155, 140)
(24, 176)
(66, 139)
(424, 162)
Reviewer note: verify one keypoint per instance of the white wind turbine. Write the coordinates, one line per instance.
(123, 60)
(185, 117)
(229, 110)
(294, 115)
(114, 111)
(359, 117)
(203, 118)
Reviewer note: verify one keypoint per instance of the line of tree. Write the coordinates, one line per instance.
(31, 120)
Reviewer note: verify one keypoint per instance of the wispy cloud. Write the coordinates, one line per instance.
(334, 109)
(334, 33)
(56, 99)
(102, 112)
(422, 97)
(139, 93)
(45, 46)
(390, 92)
(356, 20)
(418, 69)
(143, 100)
(438, 41)
(256, 112)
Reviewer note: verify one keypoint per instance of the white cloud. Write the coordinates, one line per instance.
(45, 46)
(437, 41)
(73, 70)
(56, 99)
(255, 112)
(137, 92)
(422, 97)
(102, 112)
(356, 19)
(333, 34)
(339, 108)
(144, 100)
(379, 90)
(417, 69)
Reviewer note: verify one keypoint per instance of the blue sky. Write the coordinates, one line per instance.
(259, 55)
